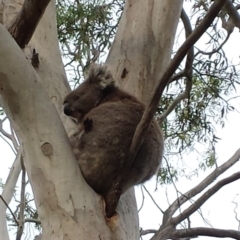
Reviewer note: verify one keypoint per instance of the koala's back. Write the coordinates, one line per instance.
(103, 150)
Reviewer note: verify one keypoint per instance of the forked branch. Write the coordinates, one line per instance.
(202, 231)
(201, 186)
(187, 72)
(147, 117)
(196, 205)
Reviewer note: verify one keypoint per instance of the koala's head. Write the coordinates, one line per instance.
(89, 93)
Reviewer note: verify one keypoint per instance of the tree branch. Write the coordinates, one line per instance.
(10, 210)
(233, 13)
(142, 128)
(145, 232)
(22, 203)
(186, 72)
(216, 49)
(32, 220)
(201, 186)
(26, 21)
(196, 205)
(7, 194)
(147, 117)
(202, 231)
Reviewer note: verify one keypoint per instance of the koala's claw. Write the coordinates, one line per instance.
(88, 125)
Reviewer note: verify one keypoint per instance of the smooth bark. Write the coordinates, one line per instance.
(67, 206)
(7, 194)
(143, 45)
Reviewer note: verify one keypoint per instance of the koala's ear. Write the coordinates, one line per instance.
(100, 76)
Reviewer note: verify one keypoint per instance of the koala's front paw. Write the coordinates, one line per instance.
(88, 125)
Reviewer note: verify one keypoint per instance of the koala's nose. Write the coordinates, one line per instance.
(66, 109)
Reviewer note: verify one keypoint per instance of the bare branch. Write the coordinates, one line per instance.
(9, 144)
(195, 206)
(11, 137)
(31, 220)
(149, 194)
(8, 192)
(233, 13)
(14, 137)
(175, 102)
(216, 49)
(22, 203)
(236, 214)
(211, 232)
(145, 232)
(177, 76)
(25, 23)
(13, 175)
(201, 186)
(10, 210)
(187, 72)
(143, 198)
(183, 50)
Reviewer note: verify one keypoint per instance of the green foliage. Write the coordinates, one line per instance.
(86, 30)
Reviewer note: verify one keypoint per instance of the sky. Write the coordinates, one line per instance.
(218, 210)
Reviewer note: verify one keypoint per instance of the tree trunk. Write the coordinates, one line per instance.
(67, 206)
(142, 47)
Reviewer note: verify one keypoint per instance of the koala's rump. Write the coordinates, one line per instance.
(104, 149)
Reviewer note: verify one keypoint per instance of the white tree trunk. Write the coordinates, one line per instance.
(7, 194)
(67, 206)
(142, 48)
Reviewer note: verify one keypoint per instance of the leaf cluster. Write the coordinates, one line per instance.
(86, 30)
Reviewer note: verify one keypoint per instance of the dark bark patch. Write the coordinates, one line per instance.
(124, 73)
(47, 149)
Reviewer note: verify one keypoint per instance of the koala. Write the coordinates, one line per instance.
(107, 118)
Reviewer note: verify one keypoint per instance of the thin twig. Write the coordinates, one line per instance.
(32, 220)
(187, 72)
(190, 210)
(143, 198)
(149, 194)
(236, 214)
(201, 186)
(10, 210)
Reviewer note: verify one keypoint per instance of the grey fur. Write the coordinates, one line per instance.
(107, 118)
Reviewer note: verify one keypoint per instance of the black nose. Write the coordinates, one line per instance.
(66, 109)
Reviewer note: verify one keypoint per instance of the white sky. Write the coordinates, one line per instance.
(219, 210)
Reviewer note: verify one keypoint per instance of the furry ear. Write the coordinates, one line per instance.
(100, 76)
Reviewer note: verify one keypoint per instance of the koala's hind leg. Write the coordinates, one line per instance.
(112, 198)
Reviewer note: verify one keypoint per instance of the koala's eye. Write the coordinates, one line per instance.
(75, 98)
